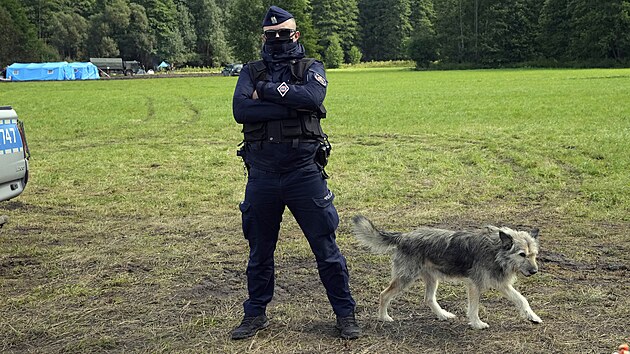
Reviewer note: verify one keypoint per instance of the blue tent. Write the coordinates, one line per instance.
(40, 71)
(84, 71)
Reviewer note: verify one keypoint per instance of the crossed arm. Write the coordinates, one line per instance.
(267, 102)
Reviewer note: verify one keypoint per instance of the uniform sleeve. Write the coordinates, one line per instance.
(308, 96)
(248, 110)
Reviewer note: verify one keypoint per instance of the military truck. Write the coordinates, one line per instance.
(14, 155)
(117, 66)
(232, 69)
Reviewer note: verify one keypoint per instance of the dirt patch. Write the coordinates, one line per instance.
(16, 264)
(564, 262)
(146, 284)
(222, 283)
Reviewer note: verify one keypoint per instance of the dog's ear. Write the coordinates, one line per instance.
(506, 240)
(492, 228)
(534, 234)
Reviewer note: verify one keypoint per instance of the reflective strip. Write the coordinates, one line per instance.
(11, 151)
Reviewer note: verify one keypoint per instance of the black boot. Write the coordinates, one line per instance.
(249, 326)
(348, 327)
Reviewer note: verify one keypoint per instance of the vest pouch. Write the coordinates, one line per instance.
(291, 128)
(254, 131)
(311, 125)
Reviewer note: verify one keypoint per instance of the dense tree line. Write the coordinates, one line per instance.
(487, 33)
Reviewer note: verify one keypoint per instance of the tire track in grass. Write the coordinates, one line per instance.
(150, 109)
(196, 116)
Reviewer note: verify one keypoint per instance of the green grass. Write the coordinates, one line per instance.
(127, 237)
(559, 131)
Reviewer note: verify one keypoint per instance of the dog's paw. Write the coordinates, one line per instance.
(534, 318)
(478, 325)
(445, 315)
(385, 318)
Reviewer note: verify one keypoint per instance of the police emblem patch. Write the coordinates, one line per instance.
(283, 89)
(321, 79)
(274, 20)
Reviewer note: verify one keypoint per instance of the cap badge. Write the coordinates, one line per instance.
(274, 20)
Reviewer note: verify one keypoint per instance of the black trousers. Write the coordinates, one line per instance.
(306, 194)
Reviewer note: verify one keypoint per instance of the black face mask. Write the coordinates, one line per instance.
(277, 46)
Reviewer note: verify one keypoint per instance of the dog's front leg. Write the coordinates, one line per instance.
(473, 308)
(521, 303)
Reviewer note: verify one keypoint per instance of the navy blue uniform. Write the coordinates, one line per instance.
(284, 174)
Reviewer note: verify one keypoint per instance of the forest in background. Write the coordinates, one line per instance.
(210, 33)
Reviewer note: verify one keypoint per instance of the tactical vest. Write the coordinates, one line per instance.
(304, 127)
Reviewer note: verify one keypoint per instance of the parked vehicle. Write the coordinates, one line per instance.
(14, 155)
(232, 69)
(117, 66)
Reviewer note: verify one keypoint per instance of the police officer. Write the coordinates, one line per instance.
(278, 100)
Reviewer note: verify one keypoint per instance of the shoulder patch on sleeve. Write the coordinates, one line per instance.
(320, 79)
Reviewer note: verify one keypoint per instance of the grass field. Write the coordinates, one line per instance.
(127, 237)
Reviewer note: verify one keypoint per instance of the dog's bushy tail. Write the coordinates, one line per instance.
(378, 241)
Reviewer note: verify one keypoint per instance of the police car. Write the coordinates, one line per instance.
(14, 155)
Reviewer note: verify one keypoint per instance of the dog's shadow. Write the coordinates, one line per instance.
(413, 329)
(417, 328)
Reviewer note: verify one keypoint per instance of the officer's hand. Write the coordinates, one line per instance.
(254, 95)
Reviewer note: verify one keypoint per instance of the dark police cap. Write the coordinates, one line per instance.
(276, 15)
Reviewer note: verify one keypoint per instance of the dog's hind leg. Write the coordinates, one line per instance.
(396, 286)
(431, 284)
(473, 307)
(521, 303)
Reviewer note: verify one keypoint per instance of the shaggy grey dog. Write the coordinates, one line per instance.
(489, 258)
